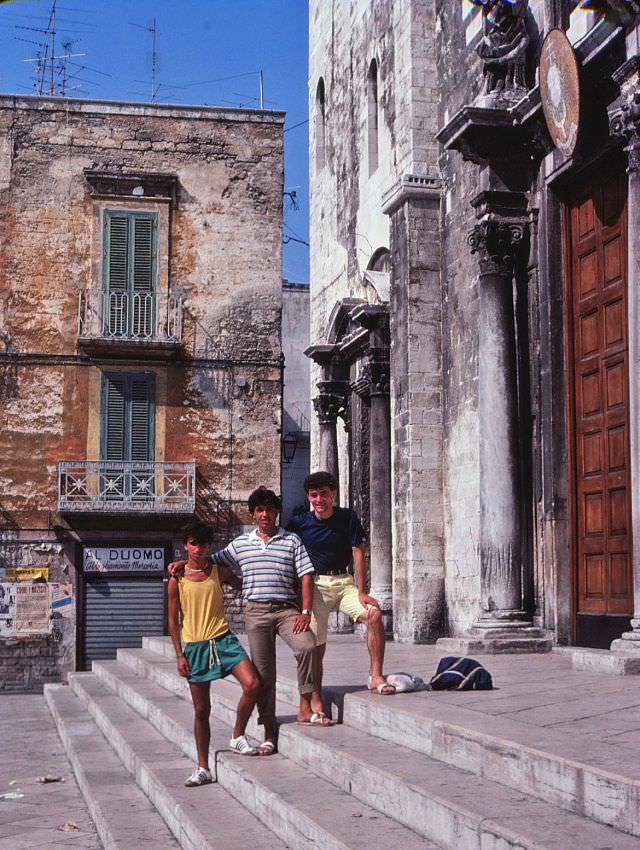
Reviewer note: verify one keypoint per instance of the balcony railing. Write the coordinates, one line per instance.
(129, 317)
(109, 486)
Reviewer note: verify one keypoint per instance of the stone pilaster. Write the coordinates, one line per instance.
(415, 313)
(624, 123)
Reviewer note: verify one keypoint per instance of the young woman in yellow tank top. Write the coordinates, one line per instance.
(205, 647)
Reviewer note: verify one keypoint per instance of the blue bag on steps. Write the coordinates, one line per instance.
(460, 674)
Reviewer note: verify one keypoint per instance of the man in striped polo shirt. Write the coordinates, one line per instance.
(272, 562)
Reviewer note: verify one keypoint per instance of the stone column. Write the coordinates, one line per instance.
(333, 390)
(624, 122)
(503, 625)
(376, 374)
(496, 244)
(327, 405)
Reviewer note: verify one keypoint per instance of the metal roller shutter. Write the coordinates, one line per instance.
(118, 612)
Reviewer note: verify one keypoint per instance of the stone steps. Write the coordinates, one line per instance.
(304, 812)
(116, 756)
(558, 767)
(453, 807)
(114, 800)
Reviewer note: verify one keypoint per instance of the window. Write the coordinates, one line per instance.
(129, 274)
(372, 116)
(127, 416)
(320, 126)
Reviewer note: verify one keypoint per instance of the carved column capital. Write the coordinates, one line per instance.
(331, 402)
(327, 407)
(497, 244)
(376, 372)
(624, 122)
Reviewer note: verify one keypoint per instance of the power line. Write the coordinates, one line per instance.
(299, 124)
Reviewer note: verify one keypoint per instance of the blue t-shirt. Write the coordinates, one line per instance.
(329, 541)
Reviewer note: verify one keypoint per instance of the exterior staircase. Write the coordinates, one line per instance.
(398, 773)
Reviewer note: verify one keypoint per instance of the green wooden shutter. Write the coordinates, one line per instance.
(117, 240)
(141, 417)
(127, 416)
(130, 240)
(114, 417)
(130, 251)
(143, 253)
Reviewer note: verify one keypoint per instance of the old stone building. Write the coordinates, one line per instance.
(474, 314)
(295, 396)
(140, 358)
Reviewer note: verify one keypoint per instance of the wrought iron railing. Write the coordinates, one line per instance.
(138, 316)
(110, 486)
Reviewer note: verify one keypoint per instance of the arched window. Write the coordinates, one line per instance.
(320, 126)
(372, 115)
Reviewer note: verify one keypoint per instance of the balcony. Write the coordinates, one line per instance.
(118, 487)
(124, 323)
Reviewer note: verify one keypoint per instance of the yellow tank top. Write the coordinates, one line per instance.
(202, 606)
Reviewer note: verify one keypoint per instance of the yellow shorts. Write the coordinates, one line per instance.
(334, 593)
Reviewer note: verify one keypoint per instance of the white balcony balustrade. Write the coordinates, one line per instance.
(125, 317)
(109, 486)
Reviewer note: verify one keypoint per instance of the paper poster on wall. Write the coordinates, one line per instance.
(7, 610)
(62, 598)
(32, 608)
(27, 573)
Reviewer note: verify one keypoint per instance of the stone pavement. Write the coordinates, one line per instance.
(30, 749)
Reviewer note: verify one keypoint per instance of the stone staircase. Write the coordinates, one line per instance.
(412, 771)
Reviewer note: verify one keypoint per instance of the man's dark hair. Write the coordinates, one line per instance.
(320, 479)
(263, 497)
(197, 531)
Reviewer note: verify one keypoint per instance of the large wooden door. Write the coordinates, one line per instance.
(598, 363)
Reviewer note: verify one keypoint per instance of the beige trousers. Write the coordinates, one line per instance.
(263, 621)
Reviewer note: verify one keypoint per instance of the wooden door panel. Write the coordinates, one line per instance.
(599, 404)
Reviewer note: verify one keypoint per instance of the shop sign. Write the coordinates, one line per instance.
(560, 90)
(137, 559)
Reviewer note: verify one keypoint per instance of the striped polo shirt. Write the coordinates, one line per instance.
(269, 570)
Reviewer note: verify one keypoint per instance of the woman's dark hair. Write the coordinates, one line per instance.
(320, 479)
(199, 532)
(263, 497)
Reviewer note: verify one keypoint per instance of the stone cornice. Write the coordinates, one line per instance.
(137, 185)
(409, 187)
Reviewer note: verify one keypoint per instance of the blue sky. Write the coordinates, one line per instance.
(198, 43)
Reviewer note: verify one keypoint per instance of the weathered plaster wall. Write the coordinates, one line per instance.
(219, 402)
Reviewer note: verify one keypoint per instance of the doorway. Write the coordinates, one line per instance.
(598, 372)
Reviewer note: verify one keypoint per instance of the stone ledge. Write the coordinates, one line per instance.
(148, 110)
(495, 646)
(617, 663)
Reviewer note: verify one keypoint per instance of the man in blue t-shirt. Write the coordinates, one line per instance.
(334, 538)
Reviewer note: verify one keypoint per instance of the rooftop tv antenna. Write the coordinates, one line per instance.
(51, 71)
(153, 30)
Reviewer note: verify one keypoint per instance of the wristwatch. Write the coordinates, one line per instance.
(306, 611)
